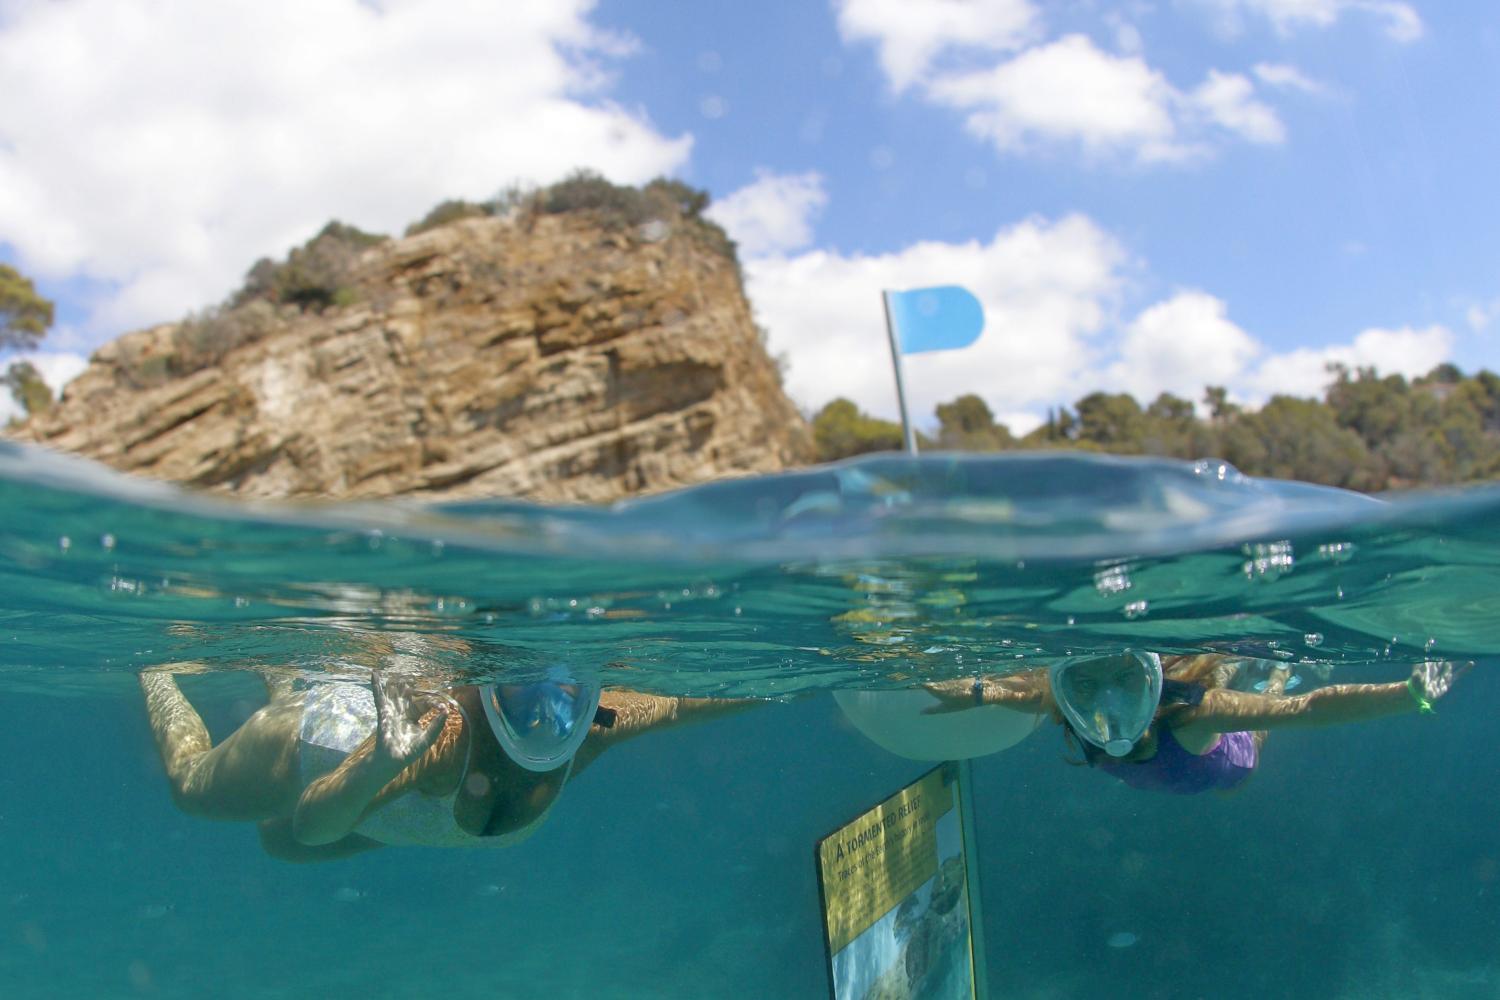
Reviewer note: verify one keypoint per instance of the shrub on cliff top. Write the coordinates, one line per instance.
(202, 339)
(616, 207)
(620, 207)
(448, 211)
(316, 275)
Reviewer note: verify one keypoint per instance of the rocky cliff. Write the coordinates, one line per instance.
(527, 354)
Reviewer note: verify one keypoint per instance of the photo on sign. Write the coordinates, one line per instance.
(919, 944)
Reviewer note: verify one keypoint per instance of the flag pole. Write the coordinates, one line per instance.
(890, 331)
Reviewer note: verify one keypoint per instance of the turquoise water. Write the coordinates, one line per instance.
(1359, 862)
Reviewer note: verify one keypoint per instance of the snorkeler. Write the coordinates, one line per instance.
(340, 767)
(1173, 724)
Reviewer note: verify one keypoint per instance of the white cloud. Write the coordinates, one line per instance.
(1180, 346)
(1228, 100)
(1287, 77)
(160, 148)
(911, 34)
(774, 214)
(1480, 315)
(1047, 287)
(1065, 90)
(57, 369)
(1304, 372)
(1069, 90)
(1400, 21)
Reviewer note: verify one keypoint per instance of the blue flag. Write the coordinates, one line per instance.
(935, 319)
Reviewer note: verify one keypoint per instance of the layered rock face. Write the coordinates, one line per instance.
(545, 357)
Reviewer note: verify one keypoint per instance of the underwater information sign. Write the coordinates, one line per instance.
(894, 883)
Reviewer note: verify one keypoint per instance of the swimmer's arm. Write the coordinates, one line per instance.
(332, 806)
(1227, 711)
(636, 713)
(1027, 692)
(277, 840)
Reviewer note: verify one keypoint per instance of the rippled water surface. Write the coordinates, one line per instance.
(841, 576)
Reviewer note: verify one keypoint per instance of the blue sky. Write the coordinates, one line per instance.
(1146, 196)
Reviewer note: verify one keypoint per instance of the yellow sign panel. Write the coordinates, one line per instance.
(871, 865)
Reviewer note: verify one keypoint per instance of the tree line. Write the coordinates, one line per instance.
(1369, 432)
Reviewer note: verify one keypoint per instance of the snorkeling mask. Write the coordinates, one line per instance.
(540, 725)
(1109, 700)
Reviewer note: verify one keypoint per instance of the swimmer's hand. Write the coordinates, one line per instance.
(400, 737)
(1434, 679)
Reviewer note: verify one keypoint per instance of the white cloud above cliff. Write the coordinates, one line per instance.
(159, 148)
(773, 214)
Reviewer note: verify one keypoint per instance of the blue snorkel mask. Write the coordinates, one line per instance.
(540, 725)
(1109, 701)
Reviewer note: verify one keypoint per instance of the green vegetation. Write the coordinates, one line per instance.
(315, 276)
(25, 318)
(24, 315)
(202, 339)
(1369, 432)
(445, 212)
(966, 424)
(841, 430)
(26, 387)
(617, 208)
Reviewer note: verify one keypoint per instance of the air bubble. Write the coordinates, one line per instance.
(1112, 580)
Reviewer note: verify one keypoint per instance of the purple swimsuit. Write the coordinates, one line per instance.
(1176, 770)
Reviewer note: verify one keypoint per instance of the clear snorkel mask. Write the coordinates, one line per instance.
(1109, 700)
(540, 725)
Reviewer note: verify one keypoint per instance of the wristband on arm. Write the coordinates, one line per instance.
(1424, 705)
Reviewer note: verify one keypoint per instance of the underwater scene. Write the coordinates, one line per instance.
(1359, 860)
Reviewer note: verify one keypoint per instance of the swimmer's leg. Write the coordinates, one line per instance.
(251, 775)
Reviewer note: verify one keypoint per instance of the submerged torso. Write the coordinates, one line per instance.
(1175, 769)
(336, 718)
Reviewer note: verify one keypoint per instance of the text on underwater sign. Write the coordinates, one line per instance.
(882, 857)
